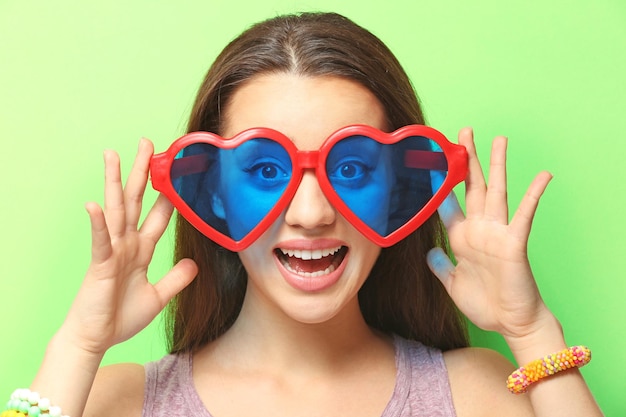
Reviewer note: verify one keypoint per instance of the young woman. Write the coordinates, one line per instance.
(328, 303)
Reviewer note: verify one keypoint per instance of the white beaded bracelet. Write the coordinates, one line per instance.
(25, 402)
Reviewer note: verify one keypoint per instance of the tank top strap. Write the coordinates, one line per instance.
(422, 385)
(170, 391)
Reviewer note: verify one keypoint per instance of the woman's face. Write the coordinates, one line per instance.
(311, 263)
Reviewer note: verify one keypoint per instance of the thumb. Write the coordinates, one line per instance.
(175, 280)
(441, 265)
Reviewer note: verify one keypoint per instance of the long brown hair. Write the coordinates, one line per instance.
(401, 295)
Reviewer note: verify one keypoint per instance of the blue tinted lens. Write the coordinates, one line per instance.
(232, 190)
(386, 185)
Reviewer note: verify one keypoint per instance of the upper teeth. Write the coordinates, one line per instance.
(310, 254)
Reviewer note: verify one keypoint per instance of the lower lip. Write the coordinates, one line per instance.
(311, 284)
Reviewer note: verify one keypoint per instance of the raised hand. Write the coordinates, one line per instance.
(116, 300)
(492, 282)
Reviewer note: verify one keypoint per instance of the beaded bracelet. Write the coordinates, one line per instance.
(24, 403)
(573, 357)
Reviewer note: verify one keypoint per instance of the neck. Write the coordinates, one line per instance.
(263, 335)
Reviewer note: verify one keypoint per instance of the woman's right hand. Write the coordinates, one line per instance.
(116, 300)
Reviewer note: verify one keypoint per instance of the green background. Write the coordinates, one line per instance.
(78, 77)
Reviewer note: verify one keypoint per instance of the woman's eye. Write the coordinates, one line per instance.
(268, 174)
(351, 173)
(268, 171)
(351, 170)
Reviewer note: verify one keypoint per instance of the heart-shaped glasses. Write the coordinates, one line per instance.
(385, 184)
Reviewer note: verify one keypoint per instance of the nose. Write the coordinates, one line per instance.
(309, 207)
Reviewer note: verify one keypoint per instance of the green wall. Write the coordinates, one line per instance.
(78, 77)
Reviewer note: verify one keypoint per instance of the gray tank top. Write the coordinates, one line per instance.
(422, 387)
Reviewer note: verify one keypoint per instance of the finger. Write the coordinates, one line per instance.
(136, 184)
(441, 265)
(114, 211)
(496, 205)
(176, 280)
(521, 222)
(475, 181)
(450, 211)
(157, 219)
(100, 240)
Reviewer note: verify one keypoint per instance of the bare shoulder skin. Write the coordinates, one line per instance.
(117, 390)
(478, 378)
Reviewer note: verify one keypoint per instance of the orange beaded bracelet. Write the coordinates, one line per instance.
(573, 357)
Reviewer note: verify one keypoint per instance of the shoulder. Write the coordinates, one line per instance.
(478, 384)
(117, 390)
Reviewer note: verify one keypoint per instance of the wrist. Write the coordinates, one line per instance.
(73, 346)
(73, 336)
(67, 373)
(545, 337)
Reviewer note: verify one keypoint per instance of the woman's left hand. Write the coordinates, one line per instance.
(492, 282)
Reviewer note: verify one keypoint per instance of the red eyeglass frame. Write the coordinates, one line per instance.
(162, 166)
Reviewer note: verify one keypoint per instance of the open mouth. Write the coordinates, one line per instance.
(311, 263)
